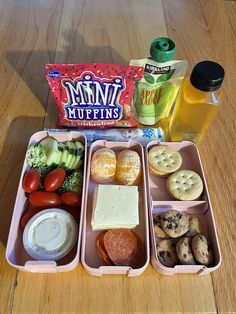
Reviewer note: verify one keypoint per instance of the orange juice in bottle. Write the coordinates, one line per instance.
(197, 103)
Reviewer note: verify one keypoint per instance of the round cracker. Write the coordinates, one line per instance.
(185, 185)
(164, 160)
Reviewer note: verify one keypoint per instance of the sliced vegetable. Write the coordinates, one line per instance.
(44, 199)
(80, 154)
(54, 179)
(64, 155)
(71, 199)
(73, 151)
(69, 156)
(31, 181)
(50, 145)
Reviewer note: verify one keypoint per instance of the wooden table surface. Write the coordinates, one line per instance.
(35, 32)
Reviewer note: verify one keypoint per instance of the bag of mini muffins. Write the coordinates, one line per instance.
(93, 95)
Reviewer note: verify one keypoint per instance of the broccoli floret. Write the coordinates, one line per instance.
(44, 170)
(36, 156)
(72, 183)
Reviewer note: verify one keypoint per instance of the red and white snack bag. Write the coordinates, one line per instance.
(93, 95)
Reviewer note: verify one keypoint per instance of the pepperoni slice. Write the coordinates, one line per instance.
(121, 246)
(101, 250)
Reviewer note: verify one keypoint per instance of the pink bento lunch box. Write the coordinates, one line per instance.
(89, 256)
(15, 252)
(160, 201)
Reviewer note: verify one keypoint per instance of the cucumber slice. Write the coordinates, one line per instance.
(80, 148)
(51, 146)
(73, 151)
(64, 155)
(60, 152)
(80, 154)
(70, 155)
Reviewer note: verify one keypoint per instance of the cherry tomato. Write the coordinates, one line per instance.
(31, 181)
(44, 199)
(54, 179)
(71, 199)
(28, 215)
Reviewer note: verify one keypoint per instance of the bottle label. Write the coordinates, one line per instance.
(156, 91)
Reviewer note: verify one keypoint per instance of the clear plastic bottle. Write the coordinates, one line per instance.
(197, 103)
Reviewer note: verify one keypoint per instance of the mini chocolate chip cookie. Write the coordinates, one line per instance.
(194, 227)
(166, 252)
(201, 251)
(175, 223)
(184, 251)
(159, 233)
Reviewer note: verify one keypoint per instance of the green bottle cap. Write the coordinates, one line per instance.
(162, 49)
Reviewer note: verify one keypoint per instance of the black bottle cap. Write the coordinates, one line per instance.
(207, 76)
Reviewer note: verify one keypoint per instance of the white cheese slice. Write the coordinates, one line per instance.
(115, 206)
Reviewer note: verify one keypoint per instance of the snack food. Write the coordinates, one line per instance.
(101, 249)
(159, 232)
(184, 251)
(129, 168)
(202, 253)
(163, 160)
(103, 166)
(175, 223)
(185, 185)
(93, 95)
(166, 251)
(115, 206)
(194, 227)
(119, 247)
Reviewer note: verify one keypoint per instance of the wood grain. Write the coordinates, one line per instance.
(34, 33)
(78, 292)
(24, 52)
(214, 38)
(117, 32)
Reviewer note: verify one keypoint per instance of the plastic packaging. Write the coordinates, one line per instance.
(197, 103)
(143, 136)
(93, 95)
(155, 93)
(50, 234)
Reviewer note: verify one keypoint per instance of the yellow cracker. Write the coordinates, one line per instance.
(164, 159)
(156, 173)
(185, 185)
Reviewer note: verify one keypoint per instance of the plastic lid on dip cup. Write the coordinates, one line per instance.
(50, 234)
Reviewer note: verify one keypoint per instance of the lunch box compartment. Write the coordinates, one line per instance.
(89, 256)
(161, 201)
(16, 255)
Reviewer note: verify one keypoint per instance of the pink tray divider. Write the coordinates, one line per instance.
(202, 208)
(99, 269)
(14, 244)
